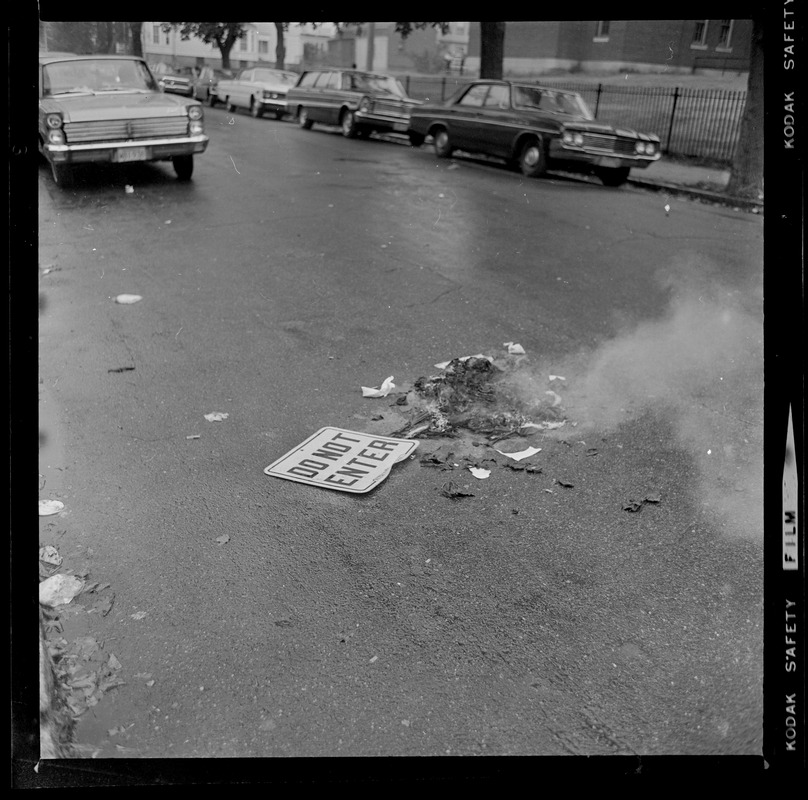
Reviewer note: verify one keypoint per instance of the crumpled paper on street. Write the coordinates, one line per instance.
(128, 299)
(479, 472)
(59, 589)
(50, 555)
(216, 416)
(48, 507)
(382, 391)
(514, 349)
(531, 451)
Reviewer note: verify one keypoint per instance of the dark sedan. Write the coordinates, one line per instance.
(534, 128)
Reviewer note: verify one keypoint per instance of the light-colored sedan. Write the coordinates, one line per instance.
(258, 90)
(109, 109)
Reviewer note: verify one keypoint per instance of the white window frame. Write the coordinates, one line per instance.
(600, 35)
(263, 46)
(727, 46)
(243, 43)
(155, 33)
(701, 44)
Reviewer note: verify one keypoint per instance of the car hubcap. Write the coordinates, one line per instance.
(347, 123)
(531, 156)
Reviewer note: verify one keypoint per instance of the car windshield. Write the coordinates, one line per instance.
(94, 76)
(379, 84)
(275, 76)
(568, 103)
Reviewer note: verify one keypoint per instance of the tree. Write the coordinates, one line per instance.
(280, 45)
(223, 34)
(135, 29)
(492, 49)
(746, 177)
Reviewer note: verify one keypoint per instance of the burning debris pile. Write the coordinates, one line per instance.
(472, 394)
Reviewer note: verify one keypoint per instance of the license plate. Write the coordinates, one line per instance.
(399, 126)
(130, 154)
(609, 162)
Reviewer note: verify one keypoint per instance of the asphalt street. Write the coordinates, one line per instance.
(608, 602)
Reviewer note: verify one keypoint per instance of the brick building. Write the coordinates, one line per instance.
(683, 46)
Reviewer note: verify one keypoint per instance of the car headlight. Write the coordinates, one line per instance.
(56, 137)
(578, 139)
(639, 147)
(53, 120)
(196, 127)
(195, 112)
(365, 104)
(650, 149)
(567, 137)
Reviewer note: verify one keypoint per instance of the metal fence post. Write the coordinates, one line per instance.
(597, 99)
(670, 126)
(443, 88)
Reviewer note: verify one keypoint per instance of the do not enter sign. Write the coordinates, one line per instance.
(347, 461)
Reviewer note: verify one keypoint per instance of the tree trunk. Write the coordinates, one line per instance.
(371, 46)
(109, 35)
(280, 47)
(492, 49)
(746, 178)
(137, 43)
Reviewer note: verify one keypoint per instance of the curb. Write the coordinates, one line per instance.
(756, 206)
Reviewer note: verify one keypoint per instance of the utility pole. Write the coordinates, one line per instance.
(371, 43)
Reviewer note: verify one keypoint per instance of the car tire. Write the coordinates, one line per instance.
(211, 99)
(184, 167)
(231, 107)
(616, 176)
(532, 158)
(442, 142)
(279, 114)
(303, 118)
(416, 139)
(347, 122)
(62, 175)
(256, 109)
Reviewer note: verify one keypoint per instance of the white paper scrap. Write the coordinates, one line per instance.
(348, 461)
(556, 398)
(382, 391)
(128, 299)
(557, 378)
(531, 451)
(59, 589)
(216, 416)
(514, 349)
(48, 507)
(479, 472)
(50, 555)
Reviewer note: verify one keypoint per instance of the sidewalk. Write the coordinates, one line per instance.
(704, 183)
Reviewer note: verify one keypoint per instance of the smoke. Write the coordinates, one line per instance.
(700, 368)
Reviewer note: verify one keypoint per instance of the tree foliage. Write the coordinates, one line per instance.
(223, 34)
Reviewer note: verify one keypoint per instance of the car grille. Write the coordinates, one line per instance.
(110, 130)
(612, 144)
(390, 107)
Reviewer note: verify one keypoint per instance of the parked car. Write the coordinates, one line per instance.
(258, 89)
(175, 80)
(534, 127)
(109, 109)
(360, 102)
(205, 82)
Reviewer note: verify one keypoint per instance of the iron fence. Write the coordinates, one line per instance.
(691, 123)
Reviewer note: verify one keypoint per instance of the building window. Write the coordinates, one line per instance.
(725, 35)
(168, 37)
(602, 30)
(263, 46)
(700, 34)
(242, 42)
(156, 33)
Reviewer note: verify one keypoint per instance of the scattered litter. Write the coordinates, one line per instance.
(121, 369)
(566, 484)
(194, 436)
(450, 490)
(375, 658)
(103, 606)
(139, 614)
(150, 683)
(406, 722)
(48, 507)
(636, 505)
(223, 539)
(463, 359)
(348, 461)
(129, 189)
(452, 166)
(168, 222)
(632, 505)
(50, 555)
(216, 416)
(376, 417)
(556, 378)
(477, 472)
(59, 590)
(549, 491)
(556, 398)
(655, 497)
(113, 662)
(402, 400)
(514, 349)
(667, 209)
(592, 451)
(381, 391)
(128, 299)
(531, 451)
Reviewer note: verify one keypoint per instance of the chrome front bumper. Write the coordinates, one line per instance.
(156, 149)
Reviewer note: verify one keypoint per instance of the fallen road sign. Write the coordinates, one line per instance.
(347, 461)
